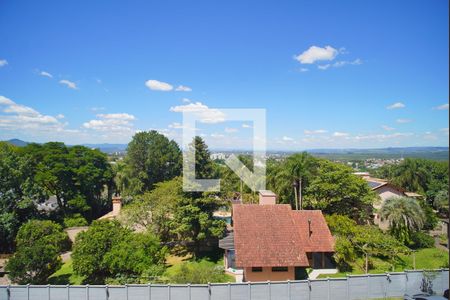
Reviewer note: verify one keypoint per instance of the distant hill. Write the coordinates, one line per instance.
(17, 142)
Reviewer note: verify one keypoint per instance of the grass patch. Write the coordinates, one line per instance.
(429, 258)
(65, 275)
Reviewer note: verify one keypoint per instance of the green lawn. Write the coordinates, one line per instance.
(429, 258)
(65, 275)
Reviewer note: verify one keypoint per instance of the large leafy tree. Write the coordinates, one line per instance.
(18, 193)
(193, 223)
(108, 252)
(70, 172)
(39, 244)
(404, 216)
(152, 158)
(335, 190)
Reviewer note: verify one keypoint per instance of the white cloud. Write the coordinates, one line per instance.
(381, 137)
(217, 135)
(116, 123)
(69, 84)
(303, 70)
(60, 116)
(158, 85)
(287, 139)
(245, 125)
(182, 88)
(442, 107)
(18, 117)
(3, 62)
(396, 105)
(315, 53)
(203, 112)
(230, 130)
(176, 125)
(346, 62)
(340, 134)
(403, 121)
(97, 108)
(323, 67)
(317, 131)
(387, 128)
(445, 130)
(46, 74)
(186, 100)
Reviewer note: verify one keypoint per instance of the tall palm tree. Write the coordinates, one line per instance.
(404, 216)
(412, 175)
(293, 172)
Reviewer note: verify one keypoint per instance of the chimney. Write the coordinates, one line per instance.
(117, 204)
(267, 197)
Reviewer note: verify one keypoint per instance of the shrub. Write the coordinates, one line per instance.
(75, 220)
(421, 240)
(202, 271)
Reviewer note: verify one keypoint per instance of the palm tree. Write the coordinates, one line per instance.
(412, 175)
(404, 216)
(292, 173)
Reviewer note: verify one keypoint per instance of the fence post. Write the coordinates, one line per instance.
(189, 291)
(328, 281)
(442, 280)
(368, 286)
(68, 292)
(270, 290)
(107, 292)
(8, 292)
(348, 286)
(149, 291)
(126, 290)
(168, 292)
(309, 289)
(289, 289)
(28, 291)
(229, 291)
(48, 291)
(249, 290)
(87, 291)
(209, 290)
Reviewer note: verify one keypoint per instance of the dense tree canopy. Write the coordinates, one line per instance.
(39, 244)
(108, 251)
(151, 158)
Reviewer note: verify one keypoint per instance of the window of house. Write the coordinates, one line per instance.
(256, 269)
(279, 269)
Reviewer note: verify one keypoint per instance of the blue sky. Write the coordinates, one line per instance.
(330, 74)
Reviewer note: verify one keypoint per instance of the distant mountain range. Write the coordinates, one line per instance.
(107, 148)
(440, 153)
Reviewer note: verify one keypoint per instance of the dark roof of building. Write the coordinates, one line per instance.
(227, 242)
(274, 235)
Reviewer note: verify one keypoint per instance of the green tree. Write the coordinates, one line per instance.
(91, 247)
(70, 172)
(203, 163)
(153, 210)
(138, 256)
(19, 193)
(335, 190)
(404, 216)
(193, 223)
(108, 252)
(292, 176)
(152, 158)
(441, 202)
(39, 244)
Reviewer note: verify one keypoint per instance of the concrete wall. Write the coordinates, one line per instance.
(267, 274)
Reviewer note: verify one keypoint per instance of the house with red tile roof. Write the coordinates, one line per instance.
(271, 241)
